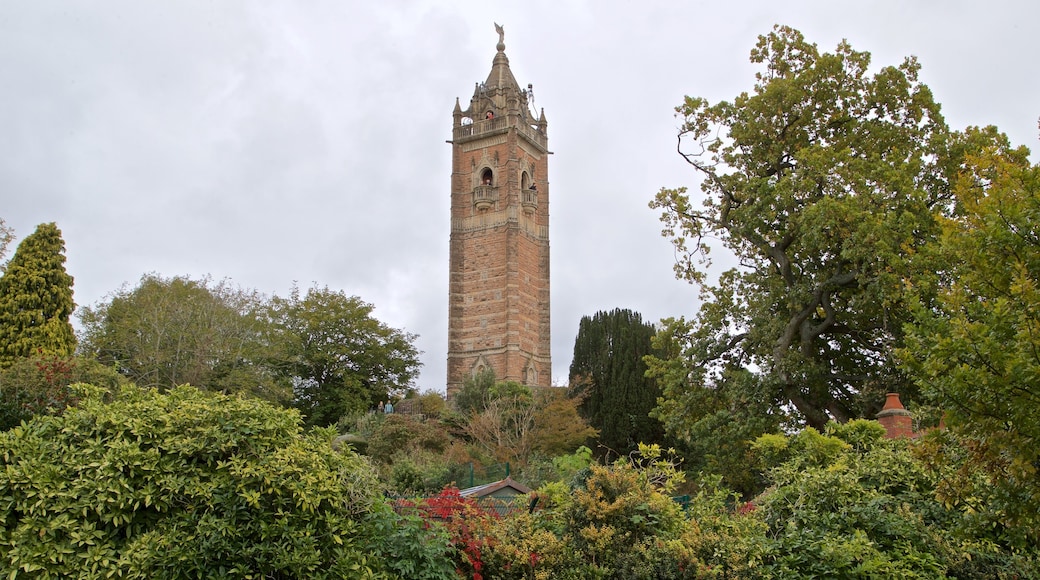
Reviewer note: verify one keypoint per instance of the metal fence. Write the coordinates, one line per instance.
(468, 475)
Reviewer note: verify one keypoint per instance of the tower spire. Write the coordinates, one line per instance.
(501, 77)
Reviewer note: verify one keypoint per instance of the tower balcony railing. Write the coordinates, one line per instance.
(488, 126)
(484, 196)
(529, 199)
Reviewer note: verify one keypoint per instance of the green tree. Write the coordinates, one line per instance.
(472, 397)
(608, 373)
(6, 237)
(189, 484)
(36, 299)
(172, 331)
(975, 350)
(339, 358)
(713, 427)
(822, 185)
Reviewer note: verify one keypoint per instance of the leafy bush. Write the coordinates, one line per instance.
(621, 522)
(469, 527)
(399, 433)
(851, 504)
(192, 484)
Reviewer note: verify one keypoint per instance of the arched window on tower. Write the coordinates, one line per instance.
(484, 193)
(528, 193)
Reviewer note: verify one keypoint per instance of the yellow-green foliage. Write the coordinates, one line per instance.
(36, 299)
(187, 485)
(622, 523)
(851, 504)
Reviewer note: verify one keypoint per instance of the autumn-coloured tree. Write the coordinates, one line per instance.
(975, 350)
(516, 420)
(559, 426)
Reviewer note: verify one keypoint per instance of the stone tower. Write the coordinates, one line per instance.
(498, 303)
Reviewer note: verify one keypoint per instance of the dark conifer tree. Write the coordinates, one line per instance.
(36, 299)
(608, 371)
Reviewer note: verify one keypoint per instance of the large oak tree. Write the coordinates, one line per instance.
(975, 348)
(821, 184)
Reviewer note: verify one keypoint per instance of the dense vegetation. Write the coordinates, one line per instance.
(322, 352)
(876, 250)
(190, 484)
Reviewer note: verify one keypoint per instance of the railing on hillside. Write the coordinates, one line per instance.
(466, 475)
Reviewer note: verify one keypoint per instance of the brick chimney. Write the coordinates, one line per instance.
(895, 418)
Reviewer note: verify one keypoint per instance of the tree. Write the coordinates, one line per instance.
(189, 484)
(6, 236)
(472, 397)
(504, 425)
(36, 299)
(559, 428)
(173, 331)
(608, 373)
(975, 350)
(338, 357)
(515, 420)
(822, 184)
(714, 427)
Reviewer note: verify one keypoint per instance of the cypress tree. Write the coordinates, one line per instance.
(36, 299)
(608, 371)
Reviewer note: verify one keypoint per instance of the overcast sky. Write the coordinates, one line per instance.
(273, 142)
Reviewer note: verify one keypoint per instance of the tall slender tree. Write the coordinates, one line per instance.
(609, 373)
(36, 299)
